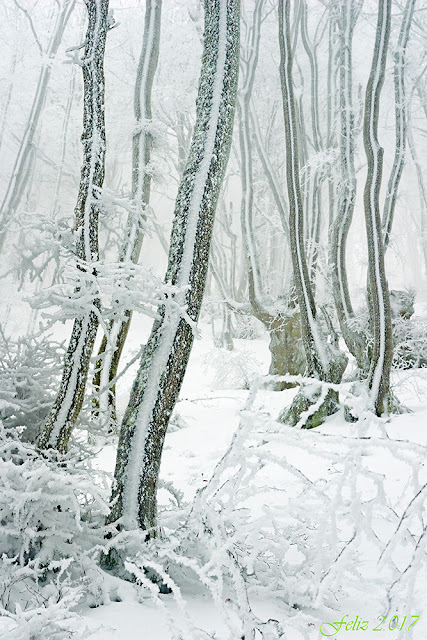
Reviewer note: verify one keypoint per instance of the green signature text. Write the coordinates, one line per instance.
(330, 629)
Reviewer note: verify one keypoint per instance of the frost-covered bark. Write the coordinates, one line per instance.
(316, 175)
(66, 408)
(347, 14)
(112, 344)
(324, 361)
(379, 298)
(400, 122)
(166, 354)
(332, 108)
(20, 173)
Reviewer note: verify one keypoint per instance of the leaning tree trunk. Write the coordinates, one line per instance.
(112, 343)
(19, 178)
(324, 361)
(166, 354)
(63, 415)
(379, 298)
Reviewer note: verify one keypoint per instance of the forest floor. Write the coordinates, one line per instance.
(207, 415)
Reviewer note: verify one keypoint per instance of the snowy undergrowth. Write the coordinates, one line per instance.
(292, 528)
(231, 369)
(51, 516)
(313, 523)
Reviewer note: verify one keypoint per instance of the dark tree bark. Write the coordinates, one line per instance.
(166, 354)
(63, 415)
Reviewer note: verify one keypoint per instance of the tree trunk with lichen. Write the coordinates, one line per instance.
(64, 413)
(163, 364)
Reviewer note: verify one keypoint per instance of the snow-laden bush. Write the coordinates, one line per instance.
(51, 515)
(235, 369)
(409, 343)
(30, 368)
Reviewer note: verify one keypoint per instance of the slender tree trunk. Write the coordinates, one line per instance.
(422, 191)
(9, 91)
(323, 361)
(347, 14)
(379, 299)
(315, 176)
(166, 354)
(332, 111)
(401, 122)
(64, 138)
(19, 177)
(112, 343)
(63, 415)
(269, 171)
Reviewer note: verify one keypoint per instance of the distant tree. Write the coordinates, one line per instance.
(22, 166)
(166, 354)
(279, 316)
(364, 342)
(66, 408)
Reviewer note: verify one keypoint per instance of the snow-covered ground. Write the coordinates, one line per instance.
(277, 532)
(354, 463)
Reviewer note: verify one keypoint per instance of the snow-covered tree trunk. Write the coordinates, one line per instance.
(112, 344)
(315, 176)
(400, 122)
(20, 172)
(347, 14)
(332, 108)
(379, 298)
(63, 415)
(422, 191)
(324, 361)
(166, 354)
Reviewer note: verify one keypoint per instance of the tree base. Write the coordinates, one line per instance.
(303, 403)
